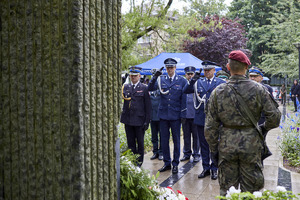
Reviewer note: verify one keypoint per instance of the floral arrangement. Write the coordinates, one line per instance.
(169, 194)
(136, 182)
(289, 141)
(280, 193)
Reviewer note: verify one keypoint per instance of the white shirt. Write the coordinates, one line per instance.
(134, 85)
(172, 77)
(210, 80)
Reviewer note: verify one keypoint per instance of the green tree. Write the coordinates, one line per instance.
(141, 19)
(254, 14)
(203, 8)
(279, 36)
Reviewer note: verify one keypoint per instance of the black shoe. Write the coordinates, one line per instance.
(154, 156)
(160, 157)
(175, 170)
(165, 168)
(204, 173)
(214, 175)
(184, 158)
(196, 159)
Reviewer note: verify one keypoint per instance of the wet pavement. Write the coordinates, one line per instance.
(191, 186)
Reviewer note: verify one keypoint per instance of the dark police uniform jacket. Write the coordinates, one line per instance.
(173, 104)
(202, 89)
(137, 111)
(155, 100)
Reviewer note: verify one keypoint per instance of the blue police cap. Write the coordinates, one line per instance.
(134, 70)
(189, 69)
(208, 64)
(170, 62)
(255, 71)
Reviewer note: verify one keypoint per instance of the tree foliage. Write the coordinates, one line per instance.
(280, 35)
(205, 8)
(141, 19)
(216, 39)
(254, 14)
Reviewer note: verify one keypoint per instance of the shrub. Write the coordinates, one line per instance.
(289, 141)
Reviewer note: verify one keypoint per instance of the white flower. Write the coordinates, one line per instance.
(257, 194)
(181, 197)
(232, 190)
(280, 188)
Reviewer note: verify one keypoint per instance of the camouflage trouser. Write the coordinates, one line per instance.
(244, 169)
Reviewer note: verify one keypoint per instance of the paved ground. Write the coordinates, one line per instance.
(188, 183)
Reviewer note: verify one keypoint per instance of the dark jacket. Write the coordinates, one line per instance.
(190, 109)
(202, 89)
(294, 89)
(173, 104)
(137, 111)
(155, 100)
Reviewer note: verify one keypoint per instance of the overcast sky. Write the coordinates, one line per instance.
(177, 4)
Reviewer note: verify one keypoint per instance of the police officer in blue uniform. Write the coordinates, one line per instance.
(202, 90)
(154, 123)
(172, 104)
(188, 126)
(136, 112)
(256, 74)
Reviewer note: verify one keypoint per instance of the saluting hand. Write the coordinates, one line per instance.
(158, 72)
(197, 75)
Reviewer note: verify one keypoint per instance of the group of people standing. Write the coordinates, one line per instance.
(210, 116)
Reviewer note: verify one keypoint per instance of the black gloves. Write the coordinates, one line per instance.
(158, 72)
(197, 75)
(146, 126)
(214, 156)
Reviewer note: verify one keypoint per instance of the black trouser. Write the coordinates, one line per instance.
(295, 102)
(283, 99)
(135, 135)
(155, 134)
(190, 130)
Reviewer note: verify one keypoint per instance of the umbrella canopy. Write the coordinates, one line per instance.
(183, 60)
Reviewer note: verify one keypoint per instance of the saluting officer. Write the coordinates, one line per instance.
(172, 104)
(188, 126)
(136, 112)
(202, 91)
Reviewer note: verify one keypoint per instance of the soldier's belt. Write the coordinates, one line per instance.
(238, 127)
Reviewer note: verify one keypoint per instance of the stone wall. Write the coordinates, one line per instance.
(60, 101)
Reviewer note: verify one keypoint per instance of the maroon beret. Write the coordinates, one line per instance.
(239, 56)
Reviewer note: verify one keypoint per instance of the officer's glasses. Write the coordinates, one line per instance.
(190, 74)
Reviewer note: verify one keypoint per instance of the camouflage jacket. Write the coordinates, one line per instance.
(226, 130)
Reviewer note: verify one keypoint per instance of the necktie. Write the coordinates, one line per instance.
(208, 81)
(170, 80)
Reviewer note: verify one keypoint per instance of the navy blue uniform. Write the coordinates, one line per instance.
(170, 112)
(203, 88)
(136, 113)
(155, 132)
(190, 129)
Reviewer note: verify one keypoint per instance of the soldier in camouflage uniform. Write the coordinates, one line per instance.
(233, 140)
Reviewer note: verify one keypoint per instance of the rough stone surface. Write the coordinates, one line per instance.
(60, 65)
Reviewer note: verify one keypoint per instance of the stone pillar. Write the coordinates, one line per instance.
(60, 66)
